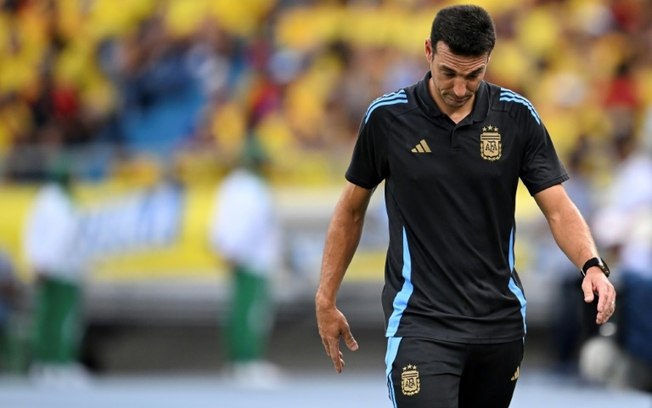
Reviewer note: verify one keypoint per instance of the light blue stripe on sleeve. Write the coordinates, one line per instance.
(402, 297)
(509, 96)
(386, 97)
(389, 99)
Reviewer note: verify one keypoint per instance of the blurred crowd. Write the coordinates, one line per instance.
(139, 89)
(163, 81)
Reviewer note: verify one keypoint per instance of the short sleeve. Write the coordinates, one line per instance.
(369, 163)
(541, 167)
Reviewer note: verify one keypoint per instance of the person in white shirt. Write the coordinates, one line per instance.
(50, 249)
(245, 232)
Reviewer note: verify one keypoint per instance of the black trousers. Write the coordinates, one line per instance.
(434, 374)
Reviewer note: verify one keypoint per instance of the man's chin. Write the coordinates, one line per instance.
(456, 103)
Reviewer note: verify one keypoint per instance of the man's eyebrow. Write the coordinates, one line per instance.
(477, 71)
(473, 73)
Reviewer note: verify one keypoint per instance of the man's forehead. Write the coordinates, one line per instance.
(457, 62)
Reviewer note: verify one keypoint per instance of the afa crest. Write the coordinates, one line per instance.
(490, 145)
(410, 384)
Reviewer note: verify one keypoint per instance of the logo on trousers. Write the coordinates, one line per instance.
(410, 384)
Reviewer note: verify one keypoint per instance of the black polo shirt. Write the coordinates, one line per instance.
(450, 194)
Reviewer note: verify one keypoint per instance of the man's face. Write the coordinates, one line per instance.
(455, 78)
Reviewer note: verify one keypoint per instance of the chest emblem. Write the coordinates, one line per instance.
(490, 145)
(421, 147)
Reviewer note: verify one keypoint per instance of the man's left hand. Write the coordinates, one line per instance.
(596, 283)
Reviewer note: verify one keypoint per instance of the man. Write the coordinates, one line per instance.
(245, 232)
(451, 150)
(50, 239)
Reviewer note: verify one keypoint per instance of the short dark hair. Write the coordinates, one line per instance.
(468, 30)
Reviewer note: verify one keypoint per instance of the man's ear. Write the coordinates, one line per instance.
(429, 50)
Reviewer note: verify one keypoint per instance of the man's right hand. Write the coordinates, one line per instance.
(332, 326)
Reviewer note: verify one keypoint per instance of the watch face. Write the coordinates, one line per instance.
(606, 270)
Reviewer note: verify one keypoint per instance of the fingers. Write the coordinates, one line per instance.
(350, 341)
(606, 305)
(333, 351)
(332, 326)
(604, 315)
(587, 288)
(332, 347)
(606, 294)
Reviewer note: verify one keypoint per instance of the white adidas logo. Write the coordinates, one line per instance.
(421, 147)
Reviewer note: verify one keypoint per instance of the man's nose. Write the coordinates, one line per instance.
(459, 87)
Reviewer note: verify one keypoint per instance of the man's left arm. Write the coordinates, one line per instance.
(574, 238)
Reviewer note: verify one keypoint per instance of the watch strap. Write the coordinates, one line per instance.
(595, 261)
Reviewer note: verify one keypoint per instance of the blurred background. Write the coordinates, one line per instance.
(140, 108)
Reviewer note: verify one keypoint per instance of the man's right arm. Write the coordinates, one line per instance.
(342, 241)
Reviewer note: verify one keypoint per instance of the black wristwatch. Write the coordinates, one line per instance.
(596, 261)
